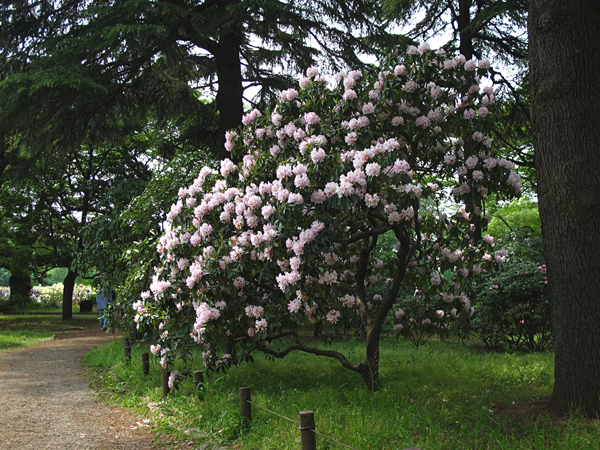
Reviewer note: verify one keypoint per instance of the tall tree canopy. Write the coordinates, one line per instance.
(75, 61)
(565, 112)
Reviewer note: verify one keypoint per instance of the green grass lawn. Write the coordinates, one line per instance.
(23, 330)
(438, 397)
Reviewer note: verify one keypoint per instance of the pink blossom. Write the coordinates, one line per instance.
(333, 316)
(349, 95)
(450, 159)
(318, 197)
(317, 155)
(423, 121)
(239, 282)
(398, 120)
(400, 70)
(470, 64)
(477, 175)
(368, 108)
(424, 47)
(373, 169)
(470, 113)
(294, 305)
(254, 311)
(410, 86)
(371, 200)
(261, 326)
(311, 118)
(251, 116)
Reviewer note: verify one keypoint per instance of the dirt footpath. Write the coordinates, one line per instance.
(46, 404)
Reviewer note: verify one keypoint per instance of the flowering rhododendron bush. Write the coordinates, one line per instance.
(261, 250)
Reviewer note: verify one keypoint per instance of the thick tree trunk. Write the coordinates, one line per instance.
(20, 288)
(230, 92)
(68, 288)
(564, 44)
(465, 33)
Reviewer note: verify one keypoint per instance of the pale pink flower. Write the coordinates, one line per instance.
(317, 155)
(333, 316)
(368, 108)
(311, 118)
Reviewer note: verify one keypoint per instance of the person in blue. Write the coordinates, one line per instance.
(102, 299)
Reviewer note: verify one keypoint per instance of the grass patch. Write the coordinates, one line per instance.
(23, 330)
(438, 397)
(21, 338)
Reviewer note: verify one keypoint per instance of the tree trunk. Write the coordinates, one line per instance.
(230, 92)
(68, 288)
(465, 33)
(369, 369)
(20, 288)
(564, 44)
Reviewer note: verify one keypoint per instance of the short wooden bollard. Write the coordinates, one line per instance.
(199, 384)
(127, 349)
(245, 407)
(146, 363)
(165, 383)
(308, 438)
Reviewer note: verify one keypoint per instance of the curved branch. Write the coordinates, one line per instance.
(313, 350)
(373, 232)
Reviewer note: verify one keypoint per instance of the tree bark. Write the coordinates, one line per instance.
(20, 288)
(68, 288)
(369, 369)
(465, 33)
(230, 92)
(564, 44)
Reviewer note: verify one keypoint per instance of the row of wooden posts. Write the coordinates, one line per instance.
(308, 438)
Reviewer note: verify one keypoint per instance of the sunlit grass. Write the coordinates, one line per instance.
(23, 330)
(438, 397)
(22, 338)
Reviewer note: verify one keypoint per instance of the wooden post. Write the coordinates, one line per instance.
(165, 383)
(199, 384)
(146, 363)
(127, 349)
(245, 407)
(308, 438)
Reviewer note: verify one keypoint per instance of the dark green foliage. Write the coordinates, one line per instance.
(70, 65)
(511, 304)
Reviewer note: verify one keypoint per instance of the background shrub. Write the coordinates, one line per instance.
(511, 304)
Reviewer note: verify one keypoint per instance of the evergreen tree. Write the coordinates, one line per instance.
(74, 62)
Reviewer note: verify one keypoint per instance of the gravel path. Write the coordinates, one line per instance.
(46, 404)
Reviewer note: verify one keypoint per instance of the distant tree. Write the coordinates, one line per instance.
(564, 44)
(65, 193)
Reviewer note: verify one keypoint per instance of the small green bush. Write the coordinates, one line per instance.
(511, 305)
